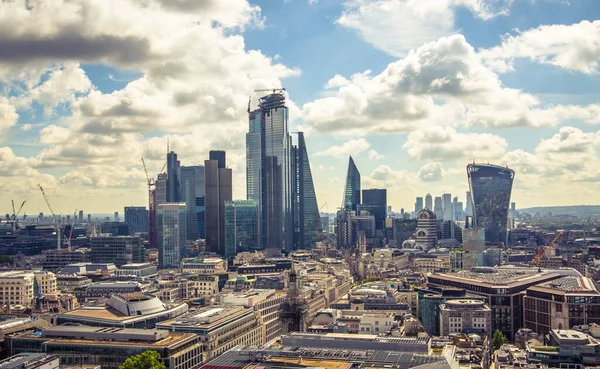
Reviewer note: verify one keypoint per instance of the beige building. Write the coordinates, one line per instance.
(21, 287)
(204, 266)
(430, 265)
(376, 323)
(465, 316)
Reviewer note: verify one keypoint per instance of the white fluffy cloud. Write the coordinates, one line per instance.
(374, 155)
(431, 172)
(351, 147)
(8, 116)
(574, 47)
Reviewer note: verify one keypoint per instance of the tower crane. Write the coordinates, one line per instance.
(151, 182)
(55, 217)
(538, 259)
(15, 215)
(270, 89)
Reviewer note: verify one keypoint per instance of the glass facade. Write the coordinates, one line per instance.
(241, 227)
(172, 236)
(192, 188)
(375, 202)
(490, 187)
(352, 189)
(173, 173)
(136, 218)
(307, 219)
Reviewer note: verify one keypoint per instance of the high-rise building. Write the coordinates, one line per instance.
(117, 250)
(469, 208)
(136, 218)
(429, 201)
(217, 190)
(173, 178)
(241, 227)
(457, 207)
(116, 217)
(447, 204)
(269, 174)
(490, 187)
(438, 207)
(418, 205)
(161, 188)
(220, 156)
(80, 216)
(375, 202)
(114, 228)
(307, 220)
(172, 234)
(352, 189)
(192, 188)
(89, 217)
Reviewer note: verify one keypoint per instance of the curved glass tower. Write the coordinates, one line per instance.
(352, 189)
(490, 187)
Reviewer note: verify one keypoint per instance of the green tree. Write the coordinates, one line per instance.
(146, 360)
(498, 339)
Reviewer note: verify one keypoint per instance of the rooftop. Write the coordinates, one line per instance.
(206, 318)
(504, 276)
(359, 337)
(569, 284)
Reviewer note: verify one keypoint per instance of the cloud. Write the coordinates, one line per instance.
(574, 47)
(8, 116)
(385, 177)
(352, 147)
(26, 127)
(397, 26)
(443, 83)
(374, 155)
(431, 172)
(446, 144)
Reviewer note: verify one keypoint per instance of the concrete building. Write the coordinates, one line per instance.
(119, 250)
(31, 361)
(132, 310)
(426, 234)
(172, 234)
(357, 342)
(502, 287)
(21, 287)
(561, 304)
(219, 328)
(429, 202)
(465, 316)
(56, 259)
(136, 218)
(448, 209)
(568, 349)
(109, 348)
(199, 265)
(432, 265)
(137, 271)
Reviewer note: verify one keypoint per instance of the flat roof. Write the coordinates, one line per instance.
(207, 318)
(568, 284)
(502, 277)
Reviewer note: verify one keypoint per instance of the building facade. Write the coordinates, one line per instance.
(117, 250)
(136, 218)
(192, 192)
(218, 190)
(375, 202)
(465, 316)
(172, 234)
(241, 227)
(352, 188)
(173, 178)
(490, 187)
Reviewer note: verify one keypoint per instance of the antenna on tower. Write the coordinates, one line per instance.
(167, 145)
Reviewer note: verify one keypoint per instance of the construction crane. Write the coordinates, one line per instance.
(55, 217)
(14, 216)
(324, 205)
(151, 182)
(538, 259)
(274, 90)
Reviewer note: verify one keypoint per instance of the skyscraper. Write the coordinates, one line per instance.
(447, 204)
(438, 207)
(307, 220)
(220, 156)
(469, 208)
(418, 204)
(269, 174)
(161, 188)
(352, 189)
(429, 201)
(80, 216)
(172, 234)
(217, 190)
(173, 182)
(241, 227)
(192, 188)
(490, 187)
(136, 218)
(375, 202)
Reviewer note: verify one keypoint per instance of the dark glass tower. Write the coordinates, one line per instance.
(352, 189)
(306, 211)
(217, 190)
(490, 187)
(192, 188)
(219, 156)
(173, 173)
(375, 202)
(269, 172)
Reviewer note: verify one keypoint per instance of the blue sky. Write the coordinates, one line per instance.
(451, 81)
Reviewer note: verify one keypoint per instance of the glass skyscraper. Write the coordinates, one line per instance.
(136, 218)
(217, 190)
(192, 188)
(173, 173)
(172, 235)
(269, 172)
(352, 189)
(375, 202)
(241, 227)
(490, 187)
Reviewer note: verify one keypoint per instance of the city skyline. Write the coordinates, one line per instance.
(412, 105)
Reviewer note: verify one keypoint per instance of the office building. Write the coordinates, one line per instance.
(80, 216)
(352, 189)
(561, 304)
(465, 316)
(404, 229)
(457, 207)
(173, 178)
(241, 227)
(136, 271)
(192, 193)
(31, 361)
(469, 207)
(269, 172)
(429, 201)
(217, 190)
(83, 346)
(438, 207)
(161, 188)
(448, 211)
(54, 260)
(568, 349)
(118, 250)
(115, 228)
(220, 156)
(200, 265)
(375, 202)
(21, 287)
(116, 217)
(474, 246)
(418, 204)
(171, 234)
(426, 234)
(136, 218)
(307, 220)
(502, 287)
(490, 187)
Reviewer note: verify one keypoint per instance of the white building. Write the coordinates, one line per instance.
(465, 316)
(204, 265)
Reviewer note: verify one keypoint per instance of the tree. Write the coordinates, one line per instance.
(146, 360)
(498, 339)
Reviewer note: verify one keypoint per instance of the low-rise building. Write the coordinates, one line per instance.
(57, 259)
(357, 342)
(432, 265)
(567, 346)
(31, 361)
(465, 316)
(119, 250)
(106, 289)
(18, 288)
(211, 265)
(137, 271)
